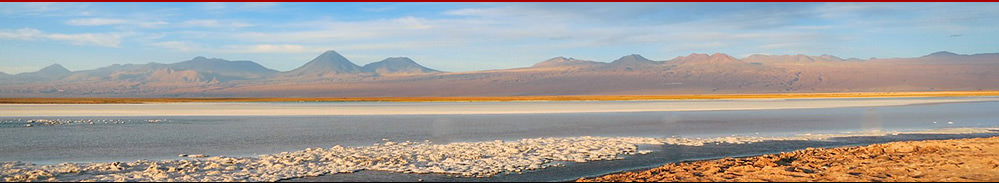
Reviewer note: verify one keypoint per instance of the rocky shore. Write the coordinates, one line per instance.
(975, 159)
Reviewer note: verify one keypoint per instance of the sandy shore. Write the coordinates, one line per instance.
(297, 109)
(975, 159)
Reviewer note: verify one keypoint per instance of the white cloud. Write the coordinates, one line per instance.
(214, 24)
(326, 31)
(99, 39)
(534, 11)
(111, 21)
(22, 34)
(95, 21)
(211, 23)
(151, 24)
(270, 48)
(185, 46)
(222, 7)
(488, 12)
(46, 9)
(857, 9)
(258, 5)
(177, 45)
(378, 9)
(410, 22)
(397, 45)
(213, 5)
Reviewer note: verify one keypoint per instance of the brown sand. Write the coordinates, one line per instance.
(975, 159)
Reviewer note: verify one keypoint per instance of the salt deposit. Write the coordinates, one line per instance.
(63, 122)
(471, 159)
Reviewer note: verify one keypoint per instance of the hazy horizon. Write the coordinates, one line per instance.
(486, 69)
(460, 37)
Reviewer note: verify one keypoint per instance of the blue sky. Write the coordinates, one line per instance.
(478, 36)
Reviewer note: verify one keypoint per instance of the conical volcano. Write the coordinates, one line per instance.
(329, 63)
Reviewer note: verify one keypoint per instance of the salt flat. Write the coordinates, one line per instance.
(417, 108)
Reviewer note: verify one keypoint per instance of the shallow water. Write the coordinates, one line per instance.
(135, 138)
(448, 108)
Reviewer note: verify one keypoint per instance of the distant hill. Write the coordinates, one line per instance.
(204, 68)
(757, 58)
(224, 68)
(633, 59)
(397, 65)
(564, 62)
(49, 73)
(942, 54)
(332, 75)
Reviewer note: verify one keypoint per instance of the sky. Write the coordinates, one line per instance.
(478, 36)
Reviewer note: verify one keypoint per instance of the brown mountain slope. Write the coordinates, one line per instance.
(629, 75)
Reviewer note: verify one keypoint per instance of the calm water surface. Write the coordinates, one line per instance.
(135, 138)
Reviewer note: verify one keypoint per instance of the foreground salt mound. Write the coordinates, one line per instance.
(478, 159)
(474, 159)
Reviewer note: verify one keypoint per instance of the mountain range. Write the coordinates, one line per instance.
(332, 75)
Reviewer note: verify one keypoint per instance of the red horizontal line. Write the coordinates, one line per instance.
(516, 1)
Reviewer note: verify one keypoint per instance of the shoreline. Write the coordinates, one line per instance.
(97, 100)
(963, 159)
(459, 108)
